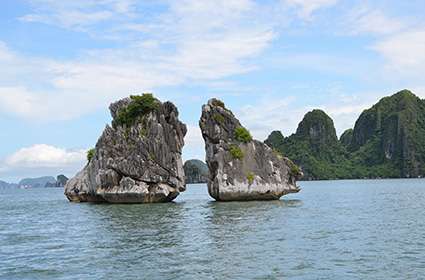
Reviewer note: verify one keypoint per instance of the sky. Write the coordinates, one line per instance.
(63, 62)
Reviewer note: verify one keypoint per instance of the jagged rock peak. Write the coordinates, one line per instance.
(241, 168)
(137, 159)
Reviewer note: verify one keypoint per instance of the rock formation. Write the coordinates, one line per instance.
(137, 159)
(241, 168)
(61, 181)
(195, 171)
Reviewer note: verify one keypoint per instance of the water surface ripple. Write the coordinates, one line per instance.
(331, 230)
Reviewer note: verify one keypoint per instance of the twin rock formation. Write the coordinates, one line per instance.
(138, 158)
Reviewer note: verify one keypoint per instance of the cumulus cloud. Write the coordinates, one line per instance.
(42, 155)
(42, 159)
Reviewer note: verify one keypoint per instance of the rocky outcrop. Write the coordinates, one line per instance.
(241, 168)
(196, 171)
(137, 159)
(61, 181)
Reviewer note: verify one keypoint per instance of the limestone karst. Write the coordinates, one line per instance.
(241, 168)
(137, 159)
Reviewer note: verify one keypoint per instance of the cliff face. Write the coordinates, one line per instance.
(241, 168)
(346, 138)
(137, 159)
(195, 171)
(318, 129)
(391, 135)
(388, 140)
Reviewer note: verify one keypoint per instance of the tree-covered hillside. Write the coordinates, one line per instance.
(388, 140)
(196, 171)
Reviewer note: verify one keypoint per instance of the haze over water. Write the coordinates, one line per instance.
(362, 229)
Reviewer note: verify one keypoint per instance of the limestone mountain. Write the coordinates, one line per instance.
(314, 146)
(195, 171)
(4, 185)
(61, 181)
(275, 138)
(39, 182)
(388, 140)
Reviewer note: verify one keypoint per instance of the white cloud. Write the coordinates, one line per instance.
(405, 51)
(374, 21)
(192, 41)
(308, 7)
(275, 114)
(42, 155)
(78, 14)
(194, 144)
(399, 40)
(42, 159)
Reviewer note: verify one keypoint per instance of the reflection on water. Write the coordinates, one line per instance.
(330, 230)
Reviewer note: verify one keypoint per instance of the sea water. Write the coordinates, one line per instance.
(359, 229)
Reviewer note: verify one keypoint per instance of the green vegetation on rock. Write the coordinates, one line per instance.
(275, 138)
(218, 118)
(346, 137)
(242, 134)
(236, 152)
(90, 154)
(250, 177)
(139, 106)
(388, 141)
(218, 103)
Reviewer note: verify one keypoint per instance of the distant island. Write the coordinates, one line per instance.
(39, 182)
(387, 141)
(196, 171)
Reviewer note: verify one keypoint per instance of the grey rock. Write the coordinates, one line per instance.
(134, 163)
(61, 181)
(260, 174)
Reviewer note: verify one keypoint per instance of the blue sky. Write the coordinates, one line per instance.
(63, 62)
